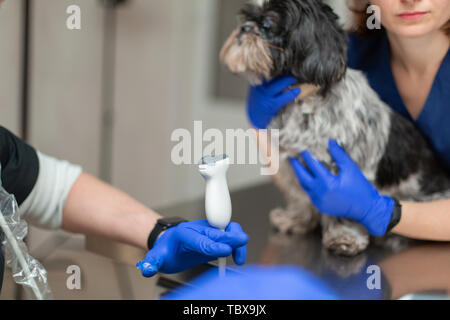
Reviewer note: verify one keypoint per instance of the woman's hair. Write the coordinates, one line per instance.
(358, 10)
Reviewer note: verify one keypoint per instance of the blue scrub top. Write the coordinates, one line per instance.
(371, 54)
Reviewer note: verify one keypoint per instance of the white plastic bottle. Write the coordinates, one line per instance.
(217, 195)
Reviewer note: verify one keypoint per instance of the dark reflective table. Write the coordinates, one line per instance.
(390, 269)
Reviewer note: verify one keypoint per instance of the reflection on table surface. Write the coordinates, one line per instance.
(390, 269)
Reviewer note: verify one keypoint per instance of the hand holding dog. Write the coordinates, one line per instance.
(346, 195)
(265, 101)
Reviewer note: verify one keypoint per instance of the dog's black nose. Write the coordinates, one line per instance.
(246, 28)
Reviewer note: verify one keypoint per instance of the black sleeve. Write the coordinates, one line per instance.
(20, 169)
(20, 165)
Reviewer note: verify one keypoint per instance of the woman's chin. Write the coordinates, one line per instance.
(414, 31)
(415, 28)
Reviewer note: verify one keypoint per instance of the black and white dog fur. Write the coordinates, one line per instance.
(303, 38)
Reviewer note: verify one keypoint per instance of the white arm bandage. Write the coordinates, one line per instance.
(44, 206)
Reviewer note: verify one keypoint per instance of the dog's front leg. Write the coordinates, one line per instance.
(300, 216)
(342, 236)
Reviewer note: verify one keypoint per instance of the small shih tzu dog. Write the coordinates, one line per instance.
(304, 39)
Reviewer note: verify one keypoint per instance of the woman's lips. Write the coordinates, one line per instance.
(412, 15)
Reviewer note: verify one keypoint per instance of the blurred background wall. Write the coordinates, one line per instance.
(10, 64)
(109, 96)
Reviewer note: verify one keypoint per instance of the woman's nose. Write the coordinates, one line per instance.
(410, 1)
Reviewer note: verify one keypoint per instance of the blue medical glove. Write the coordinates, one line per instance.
(265, 101)
(193, 243)
(255, 283)
(346, 195)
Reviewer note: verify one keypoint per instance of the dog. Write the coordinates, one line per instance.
(303, 38)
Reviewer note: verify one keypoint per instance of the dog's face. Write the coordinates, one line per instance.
(297, 37)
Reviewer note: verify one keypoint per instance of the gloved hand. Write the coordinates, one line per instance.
(256, 283)
(265, 101)
(346, 195)
(193, 243)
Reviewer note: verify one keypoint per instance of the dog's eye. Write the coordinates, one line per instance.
(267, 23)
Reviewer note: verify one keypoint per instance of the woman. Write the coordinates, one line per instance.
(408, 63)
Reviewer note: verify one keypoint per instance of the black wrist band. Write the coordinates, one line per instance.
(396, 215)
(161, 226)
(157, 230)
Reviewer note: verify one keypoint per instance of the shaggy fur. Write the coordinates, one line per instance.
(304, 39)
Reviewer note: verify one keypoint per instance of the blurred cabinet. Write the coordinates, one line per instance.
(10, 64)
(228, 85)
(65, 90)
(66, 82)
(143, 95)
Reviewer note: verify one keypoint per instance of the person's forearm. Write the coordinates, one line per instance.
(96, 208)
(425, 221)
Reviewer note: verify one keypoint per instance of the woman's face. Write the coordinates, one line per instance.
(413, 18)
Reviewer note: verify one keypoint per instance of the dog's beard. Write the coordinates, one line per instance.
(248, 55)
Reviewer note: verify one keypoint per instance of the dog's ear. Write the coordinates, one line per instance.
(319, 48)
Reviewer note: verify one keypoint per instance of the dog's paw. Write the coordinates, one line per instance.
(345, 241)
(288, 221)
